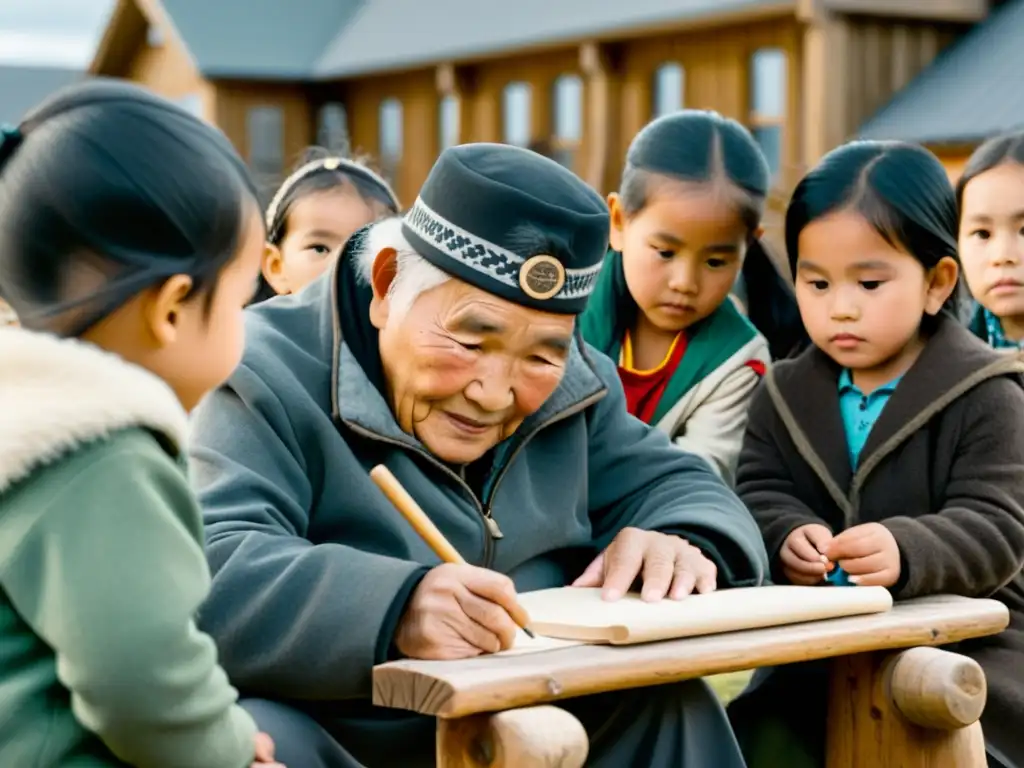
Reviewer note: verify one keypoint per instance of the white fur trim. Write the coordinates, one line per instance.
(56, 394)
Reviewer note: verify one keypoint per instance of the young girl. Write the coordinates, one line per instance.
(684, 223)
(313, 214)
(885, 448)
(991, 198)
(130, 241)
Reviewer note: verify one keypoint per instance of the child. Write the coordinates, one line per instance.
(130, 241)
(991, 198)
(313, 214)
(885, 448)
(687, 214)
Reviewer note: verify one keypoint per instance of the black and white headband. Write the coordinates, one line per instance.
(327, 164)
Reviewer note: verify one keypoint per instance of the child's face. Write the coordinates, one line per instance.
(992, 239)
(680, 253)
(317, 229)
(194, 343)
(208, 346)
(861, 299)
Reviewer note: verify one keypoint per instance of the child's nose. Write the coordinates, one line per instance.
(1008, 254)
(684, 280)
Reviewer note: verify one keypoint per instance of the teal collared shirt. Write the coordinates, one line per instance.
(860, 411)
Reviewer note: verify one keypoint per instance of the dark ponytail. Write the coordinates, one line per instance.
(107, 190)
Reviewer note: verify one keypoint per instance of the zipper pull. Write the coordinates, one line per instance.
(492, 526)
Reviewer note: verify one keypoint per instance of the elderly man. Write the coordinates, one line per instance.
(443, 346)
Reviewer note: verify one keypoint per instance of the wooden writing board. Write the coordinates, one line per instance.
(581, 615)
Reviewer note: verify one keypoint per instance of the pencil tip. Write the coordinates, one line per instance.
(529, 633)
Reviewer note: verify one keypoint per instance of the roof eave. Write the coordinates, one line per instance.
(707, 20)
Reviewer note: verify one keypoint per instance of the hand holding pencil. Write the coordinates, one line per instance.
(457, 610)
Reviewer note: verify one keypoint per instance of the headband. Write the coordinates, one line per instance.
(327, 164)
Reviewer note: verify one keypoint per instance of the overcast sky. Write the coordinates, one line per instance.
(57, 32)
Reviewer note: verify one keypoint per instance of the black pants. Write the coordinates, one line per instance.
(680, 725)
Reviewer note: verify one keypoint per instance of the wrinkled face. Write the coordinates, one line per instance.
(861, 298)
(992, 239)
(464, 367)
(680, 253)
(317, 229)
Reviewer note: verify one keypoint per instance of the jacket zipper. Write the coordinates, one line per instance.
(571, 411)
(492, 531)
(488, 535)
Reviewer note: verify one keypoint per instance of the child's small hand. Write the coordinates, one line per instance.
(802, 555)
(265, 752)
(868, 553)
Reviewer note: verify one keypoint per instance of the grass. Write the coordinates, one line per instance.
(728, 686)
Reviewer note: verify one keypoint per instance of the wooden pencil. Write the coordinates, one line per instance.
(418, 519)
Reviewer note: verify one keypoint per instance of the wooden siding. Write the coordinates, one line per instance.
(417, 92)
(853, 65)
(954, 159)
(168, 70)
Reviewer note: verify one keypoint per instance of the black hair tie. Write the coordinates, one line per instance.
(10, 139)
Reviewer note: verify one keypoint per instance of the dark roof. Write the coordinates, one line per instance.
(970, 93)
(22, 88)
(259, 39)
(399, 34)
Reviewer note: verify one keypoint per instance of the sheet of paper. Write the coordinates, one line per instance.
(525, 644)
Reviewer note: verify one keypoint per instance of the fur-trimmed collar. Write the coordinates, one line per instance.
(56, 394)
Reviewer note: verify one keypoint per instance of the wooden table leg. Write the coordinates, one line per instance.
(915, 709)
(539, 737)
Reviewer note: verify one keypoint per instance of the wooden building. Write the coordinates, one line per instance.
(402, 79)
(966, 96)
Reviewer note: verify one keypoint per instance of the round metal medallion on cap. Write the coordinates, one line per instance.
(542, 277)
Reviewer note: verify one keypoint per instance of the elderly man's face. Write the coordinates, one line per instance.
(464, 367)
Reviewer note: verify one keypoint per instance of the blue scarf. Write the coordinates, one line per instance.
(996, 337)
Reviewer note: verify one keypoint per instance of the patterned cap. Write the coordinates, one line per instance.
(513, 223)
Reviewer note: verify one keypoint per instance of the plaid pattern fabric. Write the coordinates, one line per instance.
(996, 338)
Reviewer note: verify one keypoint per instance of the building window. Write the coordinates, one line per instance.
(449, 130)
(568, 98)
(669, 89)
(390, 138)
(515, 114)
(332, 127)
(265, 130)
(191, 103)
(768, 86)
(154, 36)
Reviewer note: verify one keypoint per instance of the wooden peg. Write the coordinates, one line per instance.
(539, 737)
(937, 689)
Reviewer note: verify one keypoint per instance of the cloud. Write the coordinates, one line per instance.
(46, 49)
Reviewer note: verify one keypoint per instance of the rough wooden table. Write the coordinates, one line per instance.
(915, 708)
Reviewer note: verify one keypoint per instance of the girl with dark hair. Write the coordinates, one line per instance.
(990, 195)
(883, 454)
(130, 241)
(685, 224)
(313, 214)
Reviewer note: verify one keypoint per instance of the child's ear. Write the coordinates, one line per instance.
(163, 309)
(618, 222)
(941, 284)
(272, 268)
(385, 268)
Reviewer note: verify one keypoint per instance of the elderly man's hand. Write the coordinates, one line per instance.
(459, 611)
(668, 564)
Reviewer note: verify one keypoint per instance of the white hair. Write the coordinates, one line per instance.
(415, 275)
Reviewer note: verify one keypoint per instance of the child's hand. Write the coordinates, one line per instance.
(265, 752)
(868, 553)
(803, 559)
